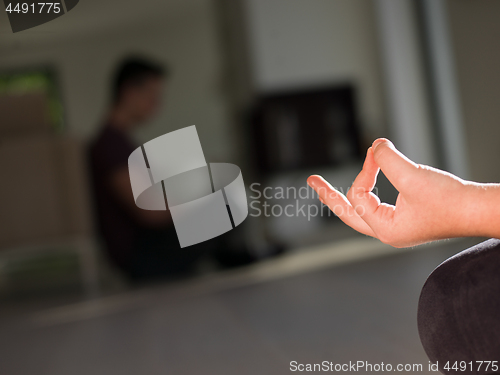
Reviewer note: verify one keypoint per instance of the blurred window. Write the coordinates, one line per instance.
(36, 81)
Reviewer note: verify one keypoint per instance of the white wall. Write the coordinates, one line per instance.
(409, 111)
(186, 40)
(474, 32)
(317, 42)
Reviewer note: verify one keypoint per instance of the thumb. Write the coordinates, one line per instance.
(395, 166)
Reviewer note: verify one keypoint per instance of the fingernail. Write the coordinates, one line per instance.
(377, 142)
(310, 181)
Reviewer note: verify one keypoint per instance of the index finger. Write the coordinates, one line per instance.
(339, 204)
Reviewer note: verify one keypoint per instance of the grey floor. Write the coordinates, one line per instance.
(360, 311)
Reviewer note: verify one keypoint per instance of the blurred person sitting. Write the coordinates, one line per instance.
(141, 243)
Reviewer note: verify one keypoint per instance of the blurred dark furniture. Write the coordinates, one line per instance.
(307, 128)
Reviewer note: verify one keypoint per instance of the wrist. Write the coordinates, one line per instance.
(481, 210)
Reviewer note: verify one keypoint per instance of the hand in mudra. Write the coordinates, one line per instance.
(431, 205)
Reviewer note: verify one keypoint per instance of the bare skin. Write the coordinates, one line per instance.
(431, 205)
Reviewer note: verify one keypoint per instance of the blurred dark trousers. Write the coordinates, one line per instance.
(459, 311)
(157, 253)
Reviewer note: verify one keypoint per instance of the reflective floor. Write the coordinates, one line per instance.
(249, 321)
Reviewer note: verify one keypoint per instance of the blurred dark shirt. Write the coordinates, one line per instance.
(108, 153)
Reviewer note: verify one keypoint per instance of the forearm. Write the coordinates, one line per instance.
(481, 208)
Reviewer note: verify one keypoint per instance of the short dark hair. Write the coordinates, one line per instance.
(135, 70)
